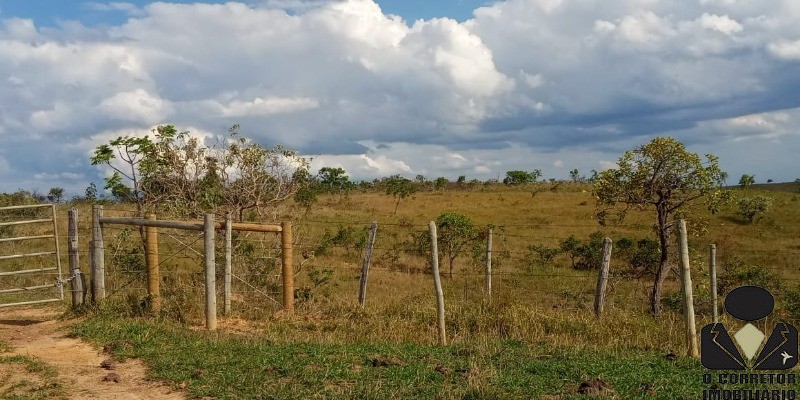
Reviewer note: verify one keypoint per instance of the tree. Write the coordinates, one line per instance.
(181, 176)
(334, 180)
(91, 193)
(55, 195)
(518, 177)
(440, 183)
(455, 234)
(746, 181)
(575, 175)
(663, 176)
(757, 206)
(399, 188)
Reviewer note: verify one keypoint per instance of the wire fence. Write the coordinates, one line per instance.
(530, 262)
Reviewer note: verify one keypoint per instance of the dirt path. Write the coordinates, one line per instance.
(37, 333)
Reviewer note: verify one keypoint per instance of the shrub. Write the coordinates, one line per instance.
(585, 256)
(754, 208)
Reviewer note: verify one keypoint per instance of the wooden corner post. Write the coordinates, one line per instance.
(98, 253)
(211, 273)
(153, 275)
(287, 270)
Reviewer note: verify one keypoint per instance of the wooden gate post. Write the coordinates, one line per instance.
(228, 260)
(211, 273)
(98, 254)
(437, 282)
(602, 279)
(688, 302)
(362, 288)
(153, 275)
(287, 270)
(74, 264)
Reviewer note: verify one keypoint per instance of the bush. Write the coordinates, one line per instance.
(736, 274)
(754, 208)
(584, 256)
(543, 254)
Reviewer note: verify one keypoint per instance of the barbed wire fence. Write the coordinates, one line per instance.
(339, 246)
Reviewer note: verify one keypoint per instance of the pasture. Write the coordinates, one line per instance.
(536, 337)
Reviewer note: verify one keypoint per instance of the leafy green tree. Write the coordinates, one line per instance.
(334, 180)
(91, 193)
(440, 183)
(575, 175)
(455, 235)
(746, 181)
(518, 177)
(399, 188)
(180, 175)
(754, 207)
(55, 194)
(663, 176)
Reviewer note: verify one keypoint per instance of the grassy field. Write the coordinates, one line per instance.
(231, 366)
(537, 337)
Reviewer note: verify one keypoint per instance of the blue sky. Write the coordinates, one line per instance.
(51, 12)
(454, 88)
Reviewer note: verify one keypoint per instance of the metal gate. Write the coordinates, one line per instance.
(26, 282)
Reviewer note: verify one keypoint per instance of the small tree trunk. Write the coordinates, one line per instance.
(397, 204)
(663, 267)
(451, 259)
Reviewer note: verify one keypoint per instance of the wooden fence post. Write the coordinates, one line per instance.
(712, 272)
(602, 279)
(153, 274)
(488, 274)
(437, 282)
(211, 273)
(688, 302)
(287, 269)
(362, 289)
(74, 264)
(228, 260)
(98, 254)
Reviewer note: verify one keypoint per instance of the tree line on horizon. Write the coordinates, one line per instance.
(179, 176)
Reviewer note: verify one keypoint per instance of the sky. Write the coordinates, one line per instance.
(437, 88)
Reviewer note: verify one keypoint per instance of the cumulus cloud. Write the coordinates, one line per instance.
(523, 84)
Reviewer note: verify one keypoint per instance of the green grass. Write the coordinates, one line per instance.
(36, 380)
(228, 366)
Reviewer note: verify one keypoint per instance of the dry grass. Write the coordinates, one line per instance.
(548, 304)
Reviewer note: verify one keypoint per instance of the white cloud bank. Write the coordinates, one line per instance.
(523, 84)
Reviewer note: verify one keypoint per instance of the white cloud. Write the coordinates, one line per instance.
(604, 165)
(558, 163)
(719, 23)
(137, 106)
(785, 49)
(363, 165)
(128, 8)
(569, 81)
(270, 105)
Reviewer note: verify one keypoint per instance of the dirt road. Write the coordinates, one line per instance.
(38, 334)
